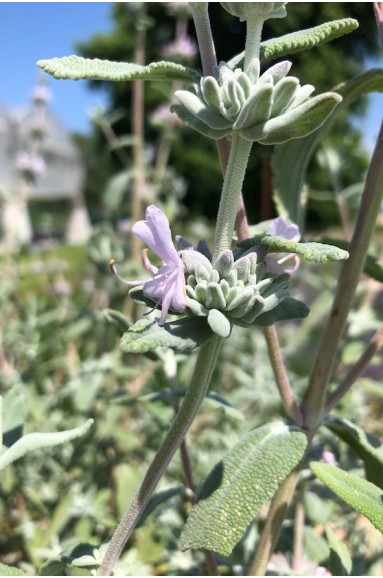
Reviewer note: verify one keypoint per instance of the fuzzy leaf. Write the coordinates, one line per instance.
(192, 121)
(76, 68)
(367, 447)
(301, 40)
(340, 559)
(11, 571)
(182, 335)
(35, 441)
(288, 176)
(290, 308)
(295, 123)
(317, 252)
(219, 323)
(201, 111)
(238, 485)
(360, 494)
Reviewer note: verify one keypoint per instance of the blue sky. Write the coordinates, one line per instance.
(40, 30)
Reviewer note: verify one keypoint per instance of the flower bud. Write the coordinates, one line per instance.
(261, 10)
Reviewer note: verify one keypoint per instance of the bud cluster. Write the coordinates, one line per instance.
(270, 108)
(231, 291)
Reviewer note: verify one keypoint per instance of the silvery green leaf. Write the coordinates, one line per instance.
(279, 70)
(317, 252)
(211, 92)
(219, 323)
(300, 40)
(202, 273)
(193, 259)
(280, 282)
(34, 441)
(182, 335)
(196, 308)
(199, 110)
(214, 296)
(295, 123)
(288, 178)
(224, 263)
(360, 494)
(201, 292)
(242, 298)
(193, 122)
(283, 94)
(256, 109)
(302, 94)
(236, 488)
(77, 67)
(237, 98)
(289, 309)
(242, 268)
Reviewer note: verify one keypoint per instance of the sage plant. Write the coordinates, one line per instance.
(243, 103)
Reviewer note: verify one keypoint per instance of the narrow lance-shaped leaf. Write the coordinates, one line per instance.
(76, 68)
(372, 266)
(340, 559)
(301, 40)
(367, 447)
(362, 495)
(288, 177)
(36, 441)
(246, 478)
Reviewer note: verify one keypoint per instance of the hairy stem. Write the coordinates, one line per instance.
(314, 398)
(195, 394)
(253, 39)
(231, 192)
(281, 376)
(204, 36)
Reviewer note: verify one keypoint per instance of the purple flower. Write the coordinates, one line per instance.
(167, 283)
(281, 227)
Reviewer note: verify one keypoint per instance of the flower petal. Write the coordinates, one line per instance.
(155, 233)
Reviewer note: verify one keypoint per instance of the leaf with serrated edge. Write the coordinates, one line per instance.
(11, 571)
(35, 441)
(317, 252)
(367, 447)
(301, 40)
(238, 485)
(182, 335)
(76, 68)
(360, 494)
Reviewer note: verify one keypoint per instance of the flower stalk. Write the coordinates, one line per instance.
(190, 405)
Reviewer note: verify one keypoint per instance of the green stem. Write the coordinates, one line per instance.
(253, 40)
(195, 394)
(271, 530)
(204, 36)
(375, 344)
(231, 193)
(280, 375)
(314, 398)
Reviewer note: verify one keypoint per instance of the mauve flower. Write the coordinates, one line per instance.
(281, 227)
(183, 48)
(167, 283)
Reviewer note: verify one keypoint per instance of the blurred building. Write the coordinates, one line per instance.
(40, 167)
